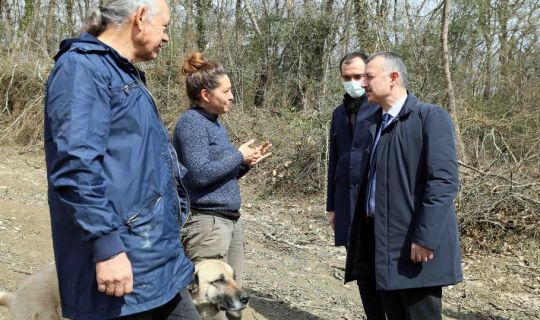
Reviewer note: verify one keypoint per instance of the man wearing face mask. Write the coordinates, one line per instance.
(349, 143)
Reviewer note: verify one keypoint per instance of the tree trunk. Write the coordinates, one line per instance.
(187, 34)
(503, 35)
(448, 77)
(28, 15)
(263, 78)
(51, 46)
(365, 37)
(87, 7)
(203, 7)
(238, 14)
(290, 8)
(69, 13)
(252, 18)
(80, 10)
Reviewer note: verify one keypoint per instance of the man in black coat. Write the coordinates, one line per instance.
(405, 233)
(349, 138)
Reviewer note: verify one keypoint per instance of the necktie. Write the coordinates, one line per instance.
(372, 173)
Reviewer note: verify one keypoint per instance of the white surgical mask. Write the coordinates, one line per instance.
(354, 88)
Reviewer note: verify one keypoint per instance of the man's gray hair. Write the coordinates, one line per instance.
(393, 62)
(115, 12)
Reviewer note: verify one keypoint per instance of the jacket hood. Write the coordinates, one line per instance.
(86, 41)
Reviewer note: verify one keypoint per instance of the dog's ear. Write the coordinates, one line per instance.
(193, 287)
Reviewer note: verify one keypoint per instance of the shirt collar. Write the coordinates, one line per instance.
(396, 107)
(208, 115)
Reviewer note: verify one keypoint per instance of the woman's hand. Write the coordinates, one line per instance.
(249, 153)
(264, 149)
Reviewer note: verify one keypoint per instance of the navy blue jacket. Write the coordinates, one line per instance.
(417, 181)
(112, 182)
(345, 157)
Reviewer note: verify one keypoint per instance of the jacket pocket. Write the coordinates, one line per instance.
(124, 94)
(144, 214)
(124, 88)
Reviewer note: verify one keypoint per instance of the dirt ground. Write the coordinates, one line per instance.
(293, 272)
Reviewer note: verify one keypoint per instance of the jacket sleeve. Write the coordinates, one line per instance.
(244, 169)
(441, 178)
(332, 162)
(192, 140)
(78, 112)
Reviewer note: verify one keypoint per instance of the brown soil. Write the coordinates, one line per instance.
(293, 271)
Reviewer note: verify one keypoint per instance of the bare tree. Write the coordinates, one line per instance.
(203, 8)
(69, 16)
(29, 7)
(362, 16)
(49, 23)
(448, 77)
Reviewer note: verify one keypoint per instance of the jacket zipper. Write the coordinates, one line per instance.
(135, 217)
(141, 83)
(128, 86)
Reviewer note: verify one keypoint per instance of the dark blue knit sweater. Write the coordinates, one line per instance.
(214, 164)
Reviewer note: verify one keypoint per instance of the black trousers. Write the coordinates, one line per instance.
(406, 304)
(179, 308)
(371, 300)
(413, 304)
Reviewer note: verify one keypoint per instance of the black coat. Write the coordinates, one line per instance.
(345, 158)
(417, 181)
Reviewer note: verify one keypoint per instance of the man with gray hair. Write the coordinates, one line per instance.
(405, 233)
(115, 194)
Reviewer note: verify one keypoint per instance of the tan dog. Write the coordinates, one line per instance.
(214, 290)
(36, 299)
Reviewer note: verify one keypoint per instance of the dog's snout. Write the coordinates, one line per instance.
(244, 298)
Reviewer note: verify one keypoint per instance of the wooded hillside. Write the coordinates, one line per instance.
(477, 58)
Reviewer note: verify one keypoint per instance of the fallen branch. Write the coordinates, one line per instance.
(532, 184)
(487, 173)
(342, 268)
(11, 263)
(290, 243)
(20, 271)
(305, 306)
(19, 117)
(524, 197)
(493, 223)
(526, 267)
(6, 108)
(264, 298)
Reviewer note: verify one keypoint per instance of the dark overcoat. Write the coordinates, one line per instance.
(417, 181)
(346, 155)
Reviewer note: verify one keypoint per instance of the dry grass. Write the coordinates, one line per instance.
(22, 92)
